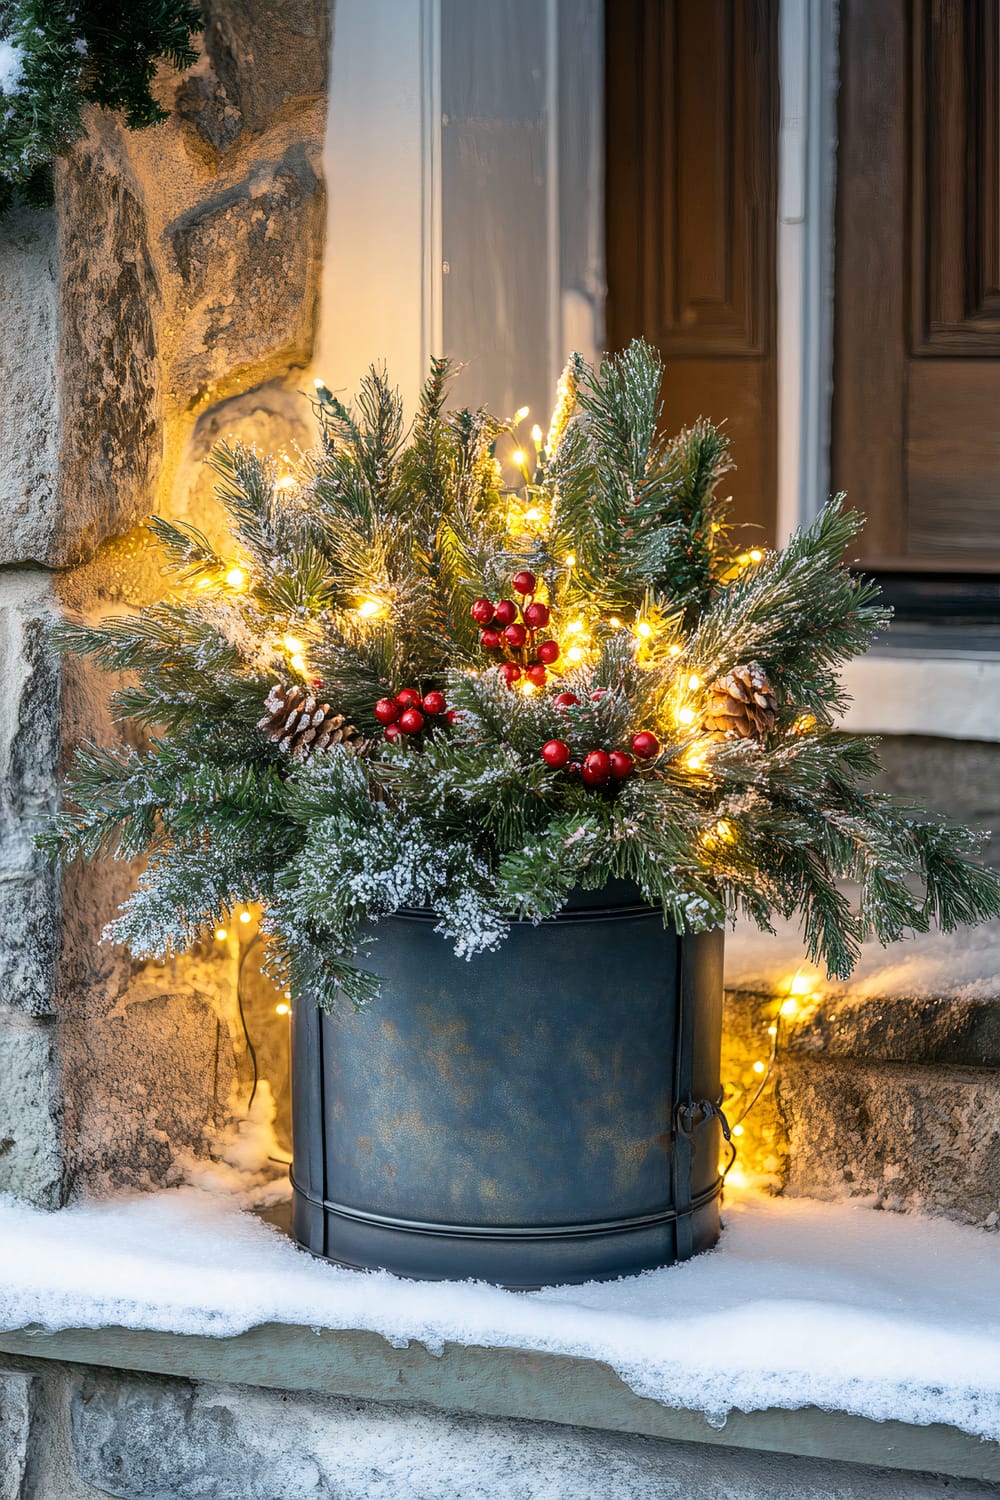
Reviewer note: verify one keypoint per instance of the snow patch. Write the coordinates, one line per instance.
(245, 1160)
(803, 1303)
(11, 66)
(963, 965)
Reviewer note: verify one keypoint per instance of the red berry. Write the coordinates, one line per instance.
(515, 635)
(393, 733)
(506, 612)
(596, 768)
(408, 698)
(490, 639)
(555, 753)
(645, 745)
(622, 764)
(387, 710)
(482, 611)
(548, 652)
(597, 695)
(411, 721)
(454, 716)
(434, 703)
(524, 582)
(536, 615)
(566, 700)
(536, 674)
(510, 672)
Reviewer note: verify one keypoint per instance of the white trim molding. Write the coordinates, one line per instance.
(464, 173)
(381, 287)
(808, 69)
(945, 694)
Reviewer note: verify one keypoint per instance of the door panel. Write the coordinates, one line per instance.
(916, 411)
(691, 152)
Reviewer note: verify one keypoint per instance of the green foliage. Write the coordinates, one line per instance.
(56, 56)
(357, 573)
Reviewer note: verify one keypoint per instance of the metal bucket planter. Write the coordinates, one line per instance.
(547, 1113)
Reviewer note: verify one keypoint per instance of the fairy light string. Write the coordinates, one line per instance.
(799, 994)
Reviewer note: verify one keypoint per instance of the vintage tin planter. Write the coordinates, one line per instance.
(543, 1114)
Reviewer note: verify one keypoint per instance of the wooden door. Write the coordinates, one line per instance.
(916, 412)
(691, 150)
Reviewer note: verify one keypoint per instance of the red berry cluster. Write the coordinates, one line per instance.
(503, 630)
(599, 767)
(408, 712)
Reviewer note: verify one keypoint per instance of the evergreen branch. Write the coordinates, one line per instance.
(66, 54)
(427, 463)
(800, 613)
(185, 548)
(367, 566)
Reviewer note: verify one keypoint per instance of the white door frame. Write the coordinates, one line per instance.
(807, 144)
(382, 283)
(386, 287)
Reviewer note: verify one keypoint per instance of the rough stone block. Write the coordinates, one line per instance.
(209, 120)
(110, 412)
(144, 1439)
(28, 412)
(913, 1137)
(16, 1402)
(30, 1155)
(29, 750)
(268, 52)
(249, 266)
(900, 1029)
(140, 1085)
(276, 418)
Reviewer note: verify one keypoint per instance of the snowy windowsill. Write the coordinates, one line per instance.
(804, 1307)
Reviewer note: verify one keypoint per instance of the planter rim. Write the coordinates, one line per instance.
(616, 900)
(608, 913)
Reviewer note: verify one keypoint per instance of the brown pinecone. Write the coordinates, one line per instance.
(740, 705)
(299, 723)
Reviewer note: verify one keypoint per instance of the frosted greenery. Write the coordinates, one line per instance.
(58, 56)
(357, 572)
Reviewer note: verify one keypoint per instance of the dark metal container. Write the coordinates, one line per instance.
(543, 1114)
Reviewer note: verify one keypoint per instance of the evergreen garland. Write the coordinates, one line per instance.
(56, 56)
(357, 576)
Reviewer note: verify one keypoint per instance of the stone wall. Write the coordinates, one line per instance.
(69, 1433)
(169, 300)
(888, 1095)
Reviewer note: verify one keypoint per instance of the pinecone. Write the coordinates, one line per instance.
(299, 723)
(741, 705)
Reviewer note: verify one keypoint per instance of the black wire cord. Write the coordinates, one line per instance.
(251, 1049)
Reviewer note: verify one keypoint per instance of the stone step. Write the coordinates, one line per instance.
(301, 1413)
(897, 1100)
(886, 1086)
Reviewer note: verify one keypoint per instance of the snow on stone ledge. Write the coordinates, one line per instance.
(803, 1303)
(962, 965)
